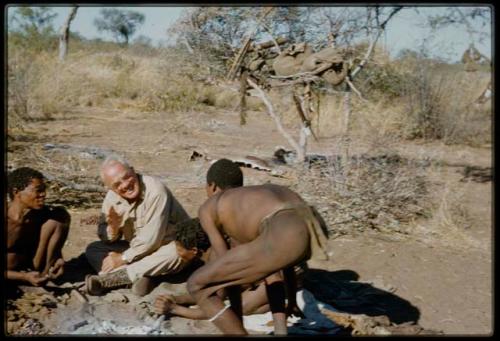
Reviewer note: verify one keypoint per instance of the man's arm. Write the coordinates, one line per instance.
(32, 277)
(167, 304)
(207, 216)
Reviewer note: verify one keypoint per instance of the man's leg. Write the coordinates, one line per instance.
(98, 250)
(290, 279)
(277, 247)
(234, 295)
(275, 290)
(149, 271)
(53, 235)
(255, 301)
(224, 318)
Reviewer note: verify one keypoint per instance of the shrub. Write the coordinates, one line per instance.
(440, 105)
(383, 192)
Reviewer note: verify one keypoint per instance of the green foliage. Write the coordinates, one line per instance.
(34, 20)
(121, 24)
(379, 80)
(31, 28)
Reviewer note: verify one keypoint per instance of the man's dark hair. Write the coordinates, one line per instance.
(20, 179)
(225, 174)
(190, 234)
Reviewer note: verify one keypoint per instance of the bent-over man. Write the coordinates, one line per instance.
(275, 229)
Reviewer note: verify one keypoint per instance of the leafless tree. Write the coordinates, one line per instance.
(64, 33)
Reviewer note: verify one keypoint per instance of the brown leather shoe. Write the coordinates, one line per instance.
(96, 285)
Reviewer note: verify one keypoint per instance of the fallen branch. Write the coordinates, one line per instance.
(75, 186)
(299, 104)
(297, 81)
(268, 44)
(92, 152)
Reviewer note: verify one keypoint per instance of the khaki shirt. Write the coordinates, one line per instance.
(147, 223)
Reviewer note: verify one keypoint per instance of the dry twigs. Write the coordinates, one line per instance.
(381, 192)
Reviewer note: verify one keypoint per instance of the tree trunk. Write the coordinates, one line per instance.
(64, 34)
(347, 112)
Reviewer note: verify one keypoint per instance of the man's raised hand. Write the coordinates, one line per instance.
(114, 221)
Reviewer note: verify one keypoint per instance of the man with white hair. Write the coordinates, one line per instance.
(136, 230)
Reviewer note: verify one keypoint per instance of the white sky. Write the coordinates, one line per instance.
(401, 32)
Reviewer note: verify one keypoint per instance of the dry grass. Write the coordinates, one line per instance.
(326, 119)
(451, 220)
(41, 87)
(410, 100)
(329, 117)
(439, 105)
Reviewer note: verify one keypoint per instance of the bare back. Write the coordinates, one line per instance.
(241, 210)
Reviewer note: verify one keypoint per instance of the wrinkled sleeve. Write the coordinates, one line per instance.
(150, 236)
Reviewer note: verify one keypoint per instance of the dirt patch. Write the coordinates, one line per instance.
(432, 269)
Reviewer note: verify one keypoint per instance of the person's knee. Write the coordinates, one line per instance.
(61, 229)
(93, 247)
(55, 228)
(60, 215)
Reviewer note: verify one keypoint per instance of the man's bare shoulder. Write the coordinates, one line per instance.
(211, 203)
(256, 191)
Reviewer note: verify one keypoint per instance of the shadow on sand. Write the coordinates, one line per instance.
(340, 290)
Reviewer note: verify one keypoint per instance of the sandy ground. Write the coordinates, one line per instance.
(443, 275)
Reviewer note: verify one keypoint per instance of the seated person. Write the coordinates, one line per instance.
(275, 229)
(36, 233)
(142, 210)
